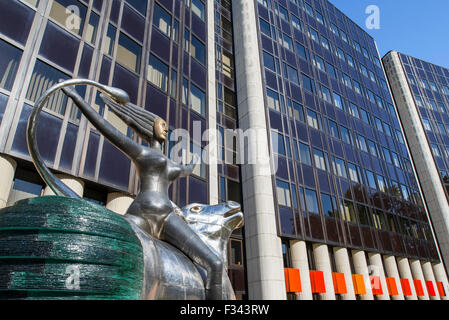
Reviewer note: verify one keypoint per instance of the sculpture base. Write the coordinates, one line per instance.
(63, 248)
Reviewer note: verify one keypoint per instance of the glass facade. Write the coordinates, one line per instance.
(344, 174)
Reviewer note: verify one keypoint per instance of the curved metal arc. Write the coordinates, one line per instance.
(58, 187)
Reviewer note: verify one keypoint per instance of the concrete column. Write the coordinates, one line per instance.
(440, 275)
(415, 266)
(361, 267)
(323, 263)
(391, 271)
(118, 202)
(300, 261)
(406, 273)
(76, 184)
(344, 266)
(429, 276)
(264, 250)
(375, 260)
(7, 170)
(212, 148)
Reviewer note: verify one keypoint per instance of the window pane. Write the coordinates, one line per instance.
(198, 51)
(265, 27)
(293, 75)
(320, 162)
(326, 202)
(198, 8)
(110, 39)
(298, 111)
(158, 73)
(307, 83)
(173, 84)
(45, 76)
(268, 61)
(304, 154)
(236, 253)
(162, 20)
(185, 90)
(197, 99)
(283, 193)
(311, 201)
(9, 62)
(301, 51)
(273, 100)
(91, 32)
(278, 143)
(129, 53)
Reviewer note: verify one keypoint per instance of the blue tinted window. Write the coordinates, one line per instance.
(265, 27)
(292, 75)
(311, 201)
(198, 8)
(307, 83)
(198, 50)
(302, 53)
(162, 20)
(197, 100)
(278, 143)
(45, 76)
(268, 61)
(9, 62)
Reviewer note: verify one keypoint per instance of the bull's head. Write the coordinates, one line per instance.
(214, 223)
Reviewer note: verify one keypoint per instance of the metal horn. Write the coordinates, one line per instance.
(58, 187)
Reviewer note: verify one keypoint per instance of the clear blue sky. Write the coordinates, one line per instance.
(419, 28)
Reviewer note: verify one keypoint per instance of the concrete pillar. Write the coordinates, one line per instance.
(7, 170)
(118, 202)
(344, 266)
(377, 268)
(212, 108)
(76, 184)
(361, 267)
(429, 276)
(300, 261)
(415, 266)
(323, 263)
(263, 245)
(391, 271)
(406, 273)
(440, 275)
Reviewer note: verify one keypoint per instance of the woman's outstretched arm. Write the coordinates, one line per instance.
(125, 144)
(179, 170)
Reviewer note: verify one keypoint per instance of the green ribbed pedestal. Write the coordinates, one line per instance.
(46, 242)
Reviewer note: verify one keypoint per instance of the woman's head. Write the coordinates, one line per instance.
(160, 130)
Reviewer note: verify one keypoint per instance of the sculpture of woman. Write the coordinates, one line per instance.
(152, 210)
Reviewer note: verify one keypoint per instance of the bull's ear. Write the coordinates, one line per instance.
(234, 221)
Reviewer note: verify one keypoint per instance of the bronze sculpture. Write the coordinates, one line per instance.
(151, 212)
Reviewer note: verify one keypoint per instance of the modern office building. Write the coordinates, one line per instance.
(340, 215)
(421, 93)
(344, 204)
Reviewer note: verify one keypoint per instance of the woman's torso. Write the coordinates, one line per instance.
(152, 203)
